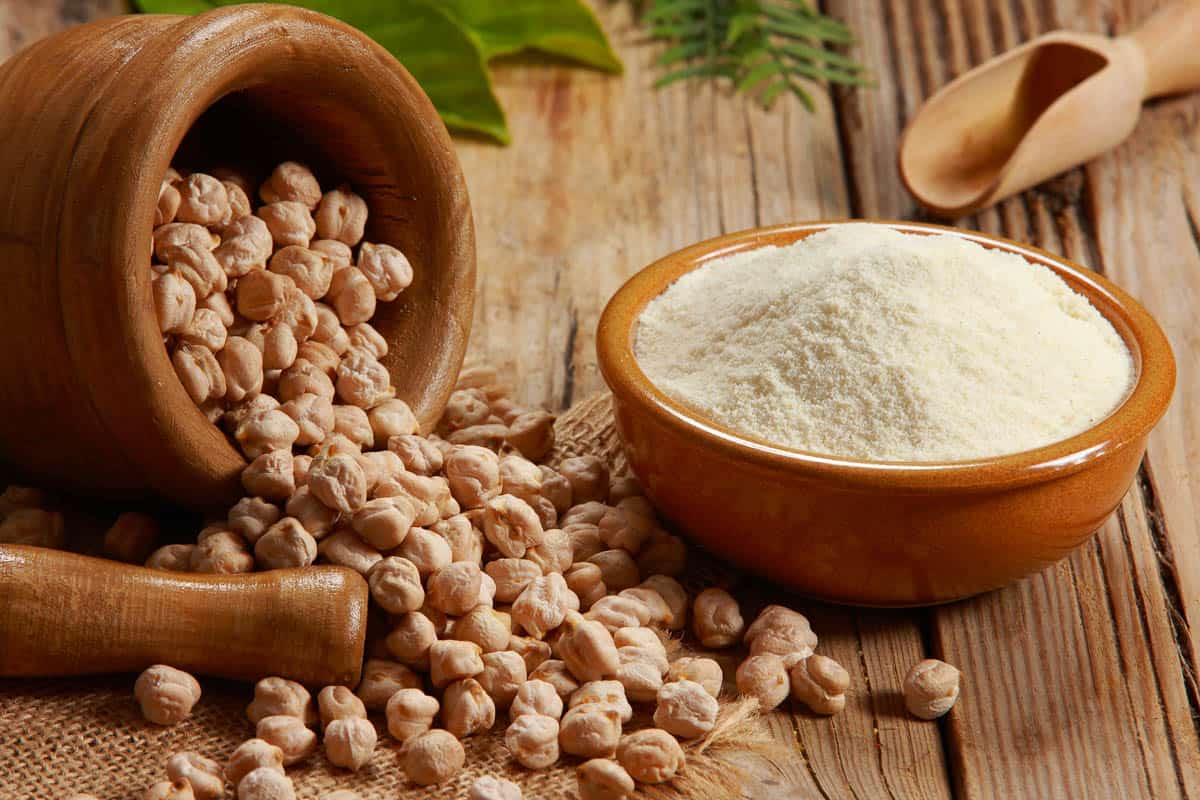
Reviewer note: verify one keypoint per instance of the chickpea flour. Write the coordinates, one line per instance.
(864, 342)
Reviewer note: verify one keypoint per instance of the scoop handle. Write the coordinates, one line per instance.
(1170, 42)
(67, 614)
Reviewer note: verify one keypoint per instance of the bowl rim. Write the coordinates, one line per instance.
(1126, 425)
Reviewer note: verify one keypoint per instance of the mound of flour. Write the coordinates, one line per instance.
(867, 343)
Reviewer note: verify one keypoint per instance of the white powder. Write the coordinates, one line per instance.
(864, 342)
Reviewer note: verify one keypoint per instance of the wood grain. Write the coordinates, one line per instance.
(1079, 682)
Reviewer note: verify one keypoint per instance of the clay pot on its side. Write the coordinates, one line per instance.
(90, 119)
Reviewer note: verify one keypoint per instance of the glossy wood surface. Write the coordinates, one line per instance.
(97, 114)
(67, 614)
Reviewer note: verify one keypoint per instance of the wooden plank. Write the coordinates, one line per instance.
(605, 175)
(1075, 685)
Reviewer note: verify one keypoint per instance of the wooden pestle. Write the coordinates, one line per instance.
(67, 614)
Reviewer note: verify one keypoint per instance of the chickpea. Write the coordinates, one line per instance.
(603, 779)
(532, 651)
(554, 554)
(624, 529)
(279, 347)
(663, 554)
(411, 639)
(419, 455)
(650, 756)
(503, 676)
(33, 526)
(168, 204)
(765, 678)
(703, 671)
(353, 423)
(381, 679)
(641, 672)
(131, 537)
(685, 709)
(396, 585)
(410, 713)
(291, 181)
(491, 436)
(239, 202)
(305, 377)
(341, 216)
(585, 540)
(265, 784)
(270, 476)
(781, 631)
(591, 730)
(238, 413)
(464, 409)
(533, 740)
(250, 755)
(512, 576)
(285, 545)
(205, 775)
(245, 246)
(198, 372)
(171, 557)
(166, 695)
(451, 660)
(205, 330)
(543, 605)
(490, 787)
(620, 611)
(590, 512)
(290, 735)
(384, 522)
(426, 550)
(392, 418)
(298, 312)
(242, 365)
(338, 482)
(338, 702)
(586, 581)
(486, 627)
(170, 238)
(170, 790)
(474, 375)
(621, 487)
(319, 355)
(474, 475)
(511, 525)
(606, 693)
(532, 433)
(352, 296)
(555, 672)
(454, 588)
(588, 476)
(350, 742)
(467, 709)
(221, 553)
(587, 648)
(716, 618)
(250, 518)
(820, 683)
(309, 270)
(619, 569)
(362, 381)
(465, 540)
(262, 433)
(279, 697)
(931, 688)
(386, 269)
(203, 200)
(674, 595)
(200, 268)
(433, 757)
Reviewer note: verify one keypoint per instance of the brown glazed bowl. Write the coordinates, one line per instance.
(90, 119)
(876, 533)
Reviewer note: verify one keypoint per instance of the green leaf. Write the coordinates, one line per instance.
(565, 28)
(175, 6)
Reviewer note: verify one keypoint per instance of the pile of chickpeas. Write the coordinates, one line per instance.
(508, 585)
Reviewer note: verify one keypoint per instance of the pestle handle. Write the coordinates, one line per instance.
(1170, 43)
(67, 614)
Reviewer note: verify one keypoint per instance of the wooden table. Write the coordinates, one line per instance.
(1080, 681)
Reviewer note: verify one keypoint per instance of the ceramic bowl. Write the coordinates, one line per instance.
(878, 533)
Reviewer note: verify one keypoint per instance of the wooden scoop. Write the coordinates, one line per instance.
(1042, 108)
(66, 614)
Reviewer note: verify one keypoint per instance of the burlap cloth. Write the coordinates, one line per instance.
(87, 735)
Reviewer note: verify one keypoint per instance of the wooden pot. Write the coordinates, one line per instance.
(90, 119)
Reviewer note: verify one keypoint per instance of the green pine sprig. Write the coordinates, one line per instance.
(763, 47)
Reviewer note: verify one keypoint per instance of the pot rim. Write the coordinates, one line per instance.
(1125, 426)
